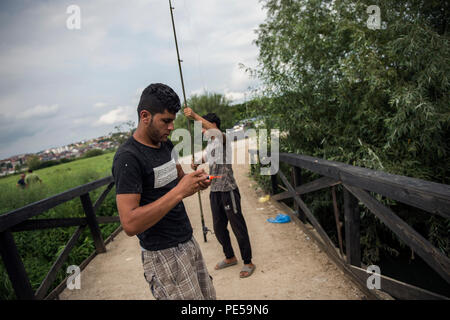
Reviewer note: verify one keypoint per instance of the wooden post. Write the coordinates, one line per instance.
(274, 183)
(296, 181)
(336, 218)
(92, 222)
(352, 229)
(14, 267)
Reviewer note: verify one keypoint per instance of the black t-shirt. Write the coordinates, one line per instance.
(152, 172)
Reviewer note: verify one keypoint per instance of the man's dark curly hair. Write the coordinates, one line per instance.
(213, 118)
(158, 97)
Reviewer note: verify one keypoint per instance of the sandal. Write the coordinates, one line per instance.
(247, 269)
(222, 264)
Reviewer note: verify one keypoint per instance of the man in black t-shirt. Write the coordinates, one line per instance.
(150, 187)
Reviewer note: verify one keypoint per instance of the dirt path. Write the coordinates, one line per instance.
(289, 265)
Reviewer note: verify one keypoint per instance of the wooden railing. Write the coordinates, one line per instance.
(357, 182)
(18, 220)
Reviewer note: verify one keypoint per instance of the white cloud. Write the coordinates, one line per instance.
(38, 111)
(234, 96)
(118, 115)
(239, 78)
(92, 76)
(100, 105)
(137, 96)
(82, 121)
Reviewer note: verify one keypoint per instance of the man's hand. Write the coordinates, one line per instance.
(204, 184)
(188, 112)
(193, 182)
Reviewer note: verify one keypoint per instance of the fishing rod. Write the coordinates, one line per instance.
(204, 228)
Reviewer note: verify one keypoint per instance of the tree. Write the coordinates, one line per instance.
(93, 153)
(33, 162)
(374, 98)
(211, 102)
(123, 132)
(206, 103)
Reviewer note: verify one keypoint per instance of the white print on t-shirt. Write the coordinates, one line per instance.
(165, 173)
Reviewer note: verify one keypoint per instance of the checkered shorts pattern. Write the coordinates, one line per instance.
(178, 273)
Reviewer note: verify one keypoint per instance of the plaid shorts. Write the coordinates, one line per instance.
(178, 273)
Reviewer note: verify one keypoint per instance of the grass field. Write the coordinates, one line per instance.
(39, 249)
(55, 179)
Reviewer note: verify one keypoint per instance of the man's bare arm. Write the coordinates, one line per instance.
(180, 171)
(136, 219)
(188, 112)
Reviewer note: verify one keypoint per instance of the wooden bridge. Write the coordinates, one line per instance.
(289, 257)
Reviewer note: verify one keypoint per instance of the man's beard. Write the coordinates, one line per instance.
(154, 135)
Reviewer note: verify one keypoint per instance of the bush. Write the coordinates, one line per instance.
(93, 153)
(372, 98)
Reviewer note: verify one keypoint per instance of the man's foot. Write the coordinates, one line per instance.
(247, 270)
(226, 263)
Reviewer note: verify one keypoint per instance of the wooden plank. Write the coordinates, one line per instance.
(315, 185)
(352, 229)
(92, 222)
(14, 217)
(274, 184)
(296, 182)
(399, 289)
(51, 275)
(336, 219)
(106, 219)
(401, 189)
(15, 268)
(323, 167)
(432, 256)
(308, 213)
(102, 197)
(39, 224)
(429, 196)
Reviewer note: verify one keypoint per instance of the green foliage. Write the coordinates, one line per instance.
(211, 102)
(123, 132)
(46, 164)
(33, 162)
(39, 249)
(206, 103)
(372, 98)
(93, 153)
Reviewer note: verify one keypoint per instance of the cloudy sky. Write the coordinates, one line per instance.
(60, 85)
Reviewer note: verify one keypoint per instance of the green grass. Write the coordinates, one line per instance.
(39, 249)
(55, 179)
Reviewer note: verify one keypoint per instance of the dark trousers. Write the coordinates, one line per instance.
(226, 206)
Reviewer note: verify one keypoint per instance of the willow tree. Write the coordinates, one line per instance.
(373, 97)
